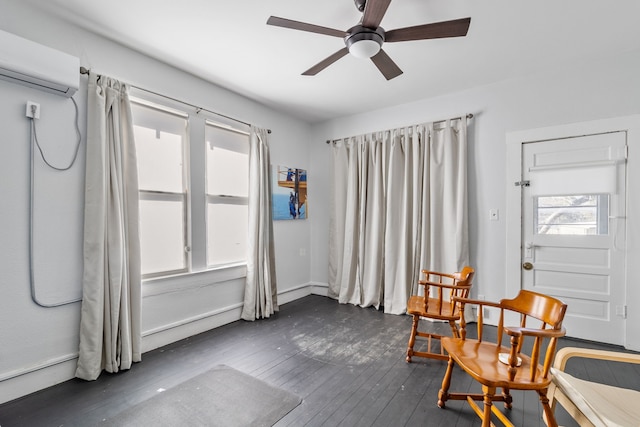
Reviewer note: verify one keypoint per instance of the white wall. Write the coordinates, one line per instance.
(602, 88)
(39, 345)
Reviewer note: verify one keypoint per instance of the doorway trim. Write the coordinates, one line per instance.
(514, 141)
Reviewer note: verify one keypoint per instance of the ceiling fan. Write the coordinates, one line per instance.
(365, 39)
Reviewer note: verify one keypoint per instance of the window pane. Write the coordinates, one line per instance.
(159, 145)
(226, 233)
(162, 236)
(582, 215)
(227, 162)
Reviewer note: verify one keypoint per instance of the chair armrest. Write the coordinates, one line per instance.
(543, 333)
(477, 302)
(439, 274)
(443, 285)
(564, 354)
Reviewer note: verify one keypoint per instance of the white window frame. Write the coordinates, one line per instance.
(194, 169)
(172, 196)
(224, 198)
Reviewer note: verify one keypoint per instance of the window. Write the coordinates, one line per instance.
(161, 147)
(227, 188)
(194, 184)
(577, 215)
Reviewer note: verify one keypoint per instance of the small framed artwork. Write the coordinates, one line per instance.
(289, 193)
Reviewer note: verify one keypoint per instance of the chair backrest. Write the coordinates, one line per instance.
(455, 285)
(461, 278)
(465, 276)
(545, 309)
(463, 284)
(550, 311)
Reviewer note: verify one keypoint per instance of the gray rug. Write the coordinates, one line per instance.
(220, 397)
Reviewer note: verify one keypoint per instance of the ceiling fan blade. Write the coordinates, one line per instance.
(437, 30)
(374, 11)
(387, 67)
(326, 62)
(303, 26)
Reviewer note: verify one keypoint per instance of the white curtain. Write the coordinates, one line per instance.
(110, 319)
(260, 292)
(399, 204)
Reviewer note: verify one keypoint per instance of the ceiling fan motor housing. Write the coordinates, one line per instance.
(359, 33)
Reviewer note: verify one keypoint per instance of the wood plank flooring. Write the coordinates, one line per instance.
(347, 363)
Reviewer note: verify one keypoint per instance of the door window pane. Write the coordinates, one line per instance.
(572, 215)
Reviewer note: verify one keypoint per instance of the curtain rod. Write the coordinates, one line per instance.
(84, 70)
(469, 116)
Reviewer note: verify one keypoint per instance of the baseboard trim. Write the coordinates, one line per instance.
(321, 289)
(18, 383)
(311, 288)
(293, 294)
(58, 360)
(170, 333)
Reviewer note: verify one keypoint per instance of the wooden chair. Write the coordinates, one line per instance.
(437, 303)
(589, 403)
(509, 368)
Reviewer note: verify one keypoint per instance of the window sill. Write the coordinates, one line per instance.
(192, 280)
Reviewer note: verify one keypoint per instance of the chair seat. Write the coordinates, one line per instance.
(436, 303)
(602, 404)
(481, 361)
(436, 310)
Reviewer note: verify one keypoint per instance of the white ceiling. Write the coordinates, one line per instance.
(228, 43)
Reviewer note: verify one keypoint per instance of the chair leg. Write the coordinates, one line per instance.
(549, 417)
(443, 394)
(412, 338)
(488, 393)
(506, 394)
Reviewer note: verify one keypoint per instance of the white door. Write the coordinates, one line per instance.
(573, 230)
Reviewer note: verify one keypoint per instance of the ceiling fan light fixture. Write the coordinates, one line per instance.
(364, 49)
(364, 42)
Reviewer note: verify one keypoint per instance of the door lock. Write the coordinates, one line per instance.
(527, 266)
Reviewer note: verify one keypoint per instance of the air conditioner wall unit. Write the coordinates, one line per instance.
(31, 64)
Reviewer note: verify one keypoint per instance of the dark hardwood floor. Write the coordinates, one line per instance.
(345, 362)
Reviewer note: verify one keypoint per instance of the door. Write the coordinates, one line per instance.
(573, 230)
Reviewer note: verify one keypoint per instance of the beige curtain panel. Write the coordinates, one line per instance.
(260, 293)
(110, 319)
(399, 204)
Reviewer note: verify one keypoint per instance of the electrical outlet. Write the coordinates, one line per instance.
(33, 110)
